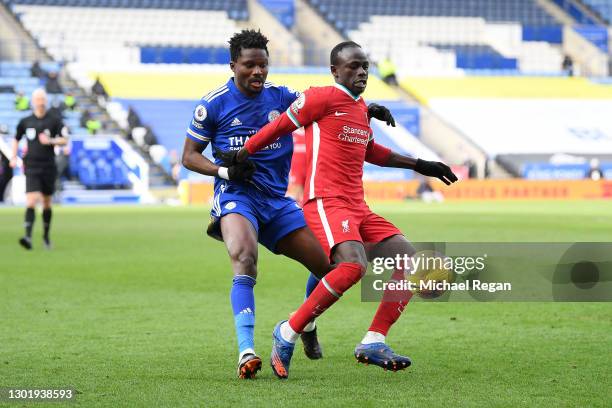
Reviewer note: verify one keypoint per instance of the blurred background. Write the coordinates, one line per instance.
(515, 95)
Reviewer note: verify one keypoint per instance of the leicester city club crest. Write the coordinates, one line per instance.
(273, 115)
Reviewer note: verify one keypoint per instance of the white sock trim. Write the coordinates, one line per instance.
(373, 337)
(246, 351)
(288, 334)
(310, 326)
(329, 288)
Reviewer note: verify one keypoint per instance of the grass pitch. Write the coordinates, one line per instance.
(132, 309)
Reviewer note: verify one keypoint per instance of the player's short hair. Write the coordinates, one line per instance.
(247, 39)
(333, 56)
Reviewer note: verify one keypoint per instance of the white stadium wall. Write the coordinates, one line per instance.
(532, 126)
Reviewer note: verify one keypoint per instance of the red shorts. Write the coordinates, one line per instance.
(335, 220)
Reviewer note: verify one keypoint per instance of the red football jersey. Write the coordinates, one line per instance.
(337, 135)
(297, 173)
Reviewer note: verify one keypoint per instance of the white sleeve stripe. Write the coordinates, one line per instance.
(200, 137)
(217, 95)
(211, 93)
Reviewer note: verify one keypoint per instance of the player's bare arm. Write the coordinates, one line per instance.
(194, 160)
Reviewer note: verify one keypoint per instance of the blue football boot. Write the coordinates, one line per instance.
(381, 355)
(282, 351)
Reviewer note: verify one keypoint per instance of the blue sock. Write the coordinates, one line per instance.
(311, 284)
(243, 305)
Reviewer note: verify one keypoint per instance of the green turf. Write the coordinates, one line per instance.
(131, 308)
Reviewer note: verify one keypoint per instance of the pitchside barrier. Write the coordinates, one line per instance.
(192, 192)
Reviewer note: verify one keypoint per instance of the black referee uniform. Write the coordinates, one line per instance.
(39, 161)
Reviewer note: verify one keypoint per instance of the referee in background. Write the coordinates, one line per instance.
(43, 132)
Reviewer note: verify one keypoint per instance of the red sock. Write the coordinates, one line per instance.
(391, 307)
(327, 292)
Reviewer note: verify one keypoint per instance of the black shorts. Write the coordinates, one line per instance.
(41, 181)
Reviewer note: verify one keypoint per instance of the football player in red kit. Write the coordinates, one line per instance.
(338, 141)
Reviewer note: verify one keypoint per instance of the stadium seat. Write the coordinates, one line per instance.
(103, 32)
(446, 36)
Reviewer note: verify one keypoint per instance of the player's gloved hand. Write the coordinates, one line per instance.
(435, 169)
(381, 113)
(232, 170)
(241, 171)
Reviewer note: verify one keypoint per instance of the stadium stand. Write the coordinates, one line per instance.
(581, 11)
(478, 57)
(94, 162)
(16, 77)
(603, 8)
(552, 127)
(137, 47)
(443, 35)
(283, 10)
(105, 31)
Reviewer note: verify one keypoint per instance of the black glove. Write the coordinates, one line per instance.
(235, 171)
(381, 113)
(241, 171)
(227, 158)
(435, 169)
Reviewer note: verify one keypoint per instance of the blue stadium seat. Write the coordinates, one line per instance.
(349, 14)
(120, 172)
(87, 173)
(187, 55)
(104, 172)
(479, 57)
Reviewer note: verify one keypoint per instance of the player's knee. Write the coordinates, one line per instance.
(350, 252)
(244, 262)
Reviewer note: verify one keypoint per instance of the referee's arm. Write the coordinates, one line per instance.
(60, 139)
(14, 159)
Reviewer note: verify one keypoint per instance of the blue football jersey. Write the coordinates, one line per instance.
(227, 118)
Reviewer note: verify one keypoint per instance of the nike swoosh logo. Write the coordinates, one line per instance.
(340, 113)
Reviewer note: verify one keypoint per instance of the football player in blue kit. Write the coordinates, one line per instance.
(251, 206)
